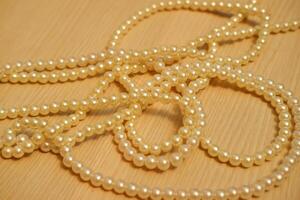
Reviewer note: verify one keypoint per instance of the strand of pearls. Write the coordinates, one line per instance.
(38, 71)
(173, 82)
(226, 73)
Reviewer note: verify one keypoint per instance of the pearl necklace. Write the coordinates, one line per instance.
(173, 82)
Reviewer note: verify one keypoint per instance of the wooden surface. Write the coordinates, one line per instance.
(236, 121)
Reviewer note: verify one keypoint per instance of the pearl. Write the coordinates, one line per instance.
(258, 189)
(139, 160)
(131, 190)
(45, 147)
(9, 139)
(17, 152)
(163, 164)
(184, 132)
(37, 138)
(220, 194)
(207, 194)
(151, 162)
(213, 150)
(176, 159)
(96, 179)
(76, 167)
(144, 192)
(246, 192)
(85, 174)
(157, 194)
(67, 161)
(155, 149)
(247, 161)
(166, 146)
(28, 147)
(119, 187)
(259, 159)
(3, 114)
(195, 194)
(177, 140)
(7, 152)
(184, 150)
(107, 183)
(223, 156)
(234, 160)
(182, 195)
(169, 194)
(233, 193)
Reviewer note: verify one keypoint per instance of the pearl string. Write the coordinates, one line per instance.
(29, 133)
(93, 58)
(224, 73)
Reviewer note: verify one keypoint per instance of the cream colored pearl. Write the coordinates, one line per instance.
(223, 156)
(67, 161)
(155, 149)
(151, 162)
(166, 146)
(139, 160)
(176, 159)
(7, 152)
(182, 195)
(207, 194)
(144, 192)
(45, 147)
(3, 114)
(195, 194)
(233, 193)
(185, 150)
(131, 190)
(107, 183)
(28, 147)
(247, 161)
(76, 167)
(17, 152)
(156, 194)
(213, 150)
(246, 192)
(177, 140)
(96, 179)
(258, 189)
(220, 195)
(85, 174)
(37, 138)
(259, 159)
(234, 160)
(163, 164)
(9, 139)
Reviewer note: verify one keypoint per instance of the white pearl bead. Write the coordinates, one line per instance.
(151, 162)
(119, 187)
(85, 174)
(131, 189)
(144, 192)
(76, 167)
(163, 164)
(107, 183)
(156, 194)
(176, 159)
(17, 152)
(139, 160)
(96, 179)
(7, 152)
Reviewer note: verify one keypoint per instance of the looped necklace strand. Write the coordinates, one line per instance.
(173, 82)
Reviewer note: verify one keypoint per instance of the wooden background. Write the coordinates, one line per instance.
(236, 121)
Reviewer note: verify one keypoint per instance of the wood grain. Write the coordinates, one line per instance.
(237, 121)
